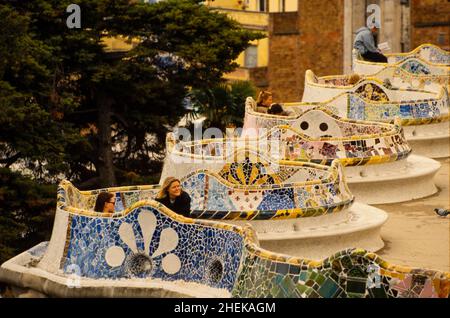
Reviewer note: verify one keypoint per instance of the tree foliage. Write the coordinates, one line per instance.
(26, 210)
(72, 109)
(114, 109)
(223, 104)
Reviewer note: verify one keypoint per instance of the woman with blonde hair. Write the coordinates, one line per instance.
(173, 197)
(264, 101)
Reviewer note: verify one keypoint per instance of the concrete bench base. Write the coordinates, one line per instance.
(21, 273)
(318, 237)
(399, 181)
(431, 140)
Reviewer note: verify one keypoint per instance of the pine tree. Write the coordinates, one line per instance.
(69, 108)
(122, 104)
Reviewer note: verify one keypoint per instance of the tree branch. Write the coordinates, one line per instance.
(9, 161)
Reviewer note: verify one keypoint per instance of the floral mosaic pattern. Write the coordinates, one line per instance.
(115, 248)
(374, 96)
(319, 136)
(222, 200)
(140, 262)
(248, 173)
(247, 189)
(372, 92)
(224, 256)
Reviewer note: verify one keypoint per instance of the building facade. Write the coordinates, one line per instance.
(319, 34)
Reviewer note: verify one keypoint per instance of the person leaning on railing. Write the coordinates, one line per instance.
(173, 197)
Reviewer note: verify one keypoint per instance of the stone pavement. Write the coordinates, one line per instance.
(414, 234)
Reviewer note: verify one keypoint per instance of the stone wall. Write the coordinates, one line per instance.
(258, 76)
(311, 38)
(284, 57)
(430, 23)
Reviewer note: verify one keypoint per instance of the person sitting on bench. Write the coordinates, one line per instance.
(365, 44)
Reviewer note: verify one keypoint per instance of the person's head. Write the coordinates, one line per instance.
(375, 28)
(264, 98)
(105, 202)
(171, 187)
(275, 109)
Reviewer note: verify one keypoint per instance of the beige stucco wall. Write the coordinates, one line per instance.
(253, 5)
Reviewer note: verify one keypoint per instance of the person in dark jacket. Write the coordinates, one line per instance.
(277, 109)
(173, 197)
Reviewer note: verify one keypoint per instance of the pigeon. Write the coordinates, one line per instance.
(442, 212)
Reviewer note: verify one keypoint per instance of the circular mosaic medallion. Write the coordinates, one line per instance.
(139, 265)
(214, 271)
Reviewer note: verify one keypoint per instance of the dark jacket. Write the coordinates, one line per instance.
(182, 204)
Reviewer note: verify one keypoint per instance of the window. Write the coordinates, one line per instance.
(282, 6)
(262, 5)
(251, 56)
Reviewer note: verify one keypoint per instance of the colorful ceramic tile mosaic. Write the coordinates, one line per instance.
(149, 242)
(414, 66)
(357, 107)
(425, 60)
(427, 52)
(351, 273)
(372, 92)
(421, 111)
(244, 190)
(317, 135)
(413, 81)
(393, 76)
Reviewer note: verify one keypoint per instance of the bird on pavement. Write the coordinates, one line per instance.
(442, 212)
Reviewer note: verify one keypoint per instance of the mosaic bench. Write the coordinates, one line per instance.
(149, 251)
(411, 73)
(317, 190)
(427, 52)
(424, 114)
(371, 99)
(390, 76)
(375, 155)
(414, 63)
(254, 164)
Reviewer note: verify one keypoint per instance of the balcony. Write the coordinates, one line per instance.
(253, 20)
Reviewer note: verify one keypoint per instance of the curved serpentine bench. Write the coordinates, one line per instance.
(149, 251)
(424, 114)
(427, 52)
(253, 168)
(423, 60)
(376, 156)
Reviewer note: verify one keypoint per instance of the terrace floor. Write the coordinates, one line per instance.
(414, 234)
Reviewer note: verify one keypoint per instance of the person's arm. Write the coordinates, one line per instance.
(360, 47)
